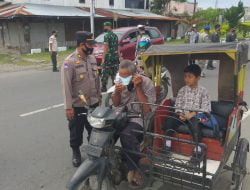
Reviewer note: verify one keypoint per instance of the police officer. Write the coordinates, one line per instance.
(81, 88)
(110, 60)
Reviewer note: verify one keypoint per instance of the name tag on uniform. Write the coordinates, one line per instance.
(78, 66)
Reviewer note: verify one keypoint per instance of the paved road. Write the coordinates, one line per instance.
(34, 151)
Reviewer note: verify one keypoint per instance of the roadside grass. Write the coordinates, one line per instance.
(32, 59)
(175, 42)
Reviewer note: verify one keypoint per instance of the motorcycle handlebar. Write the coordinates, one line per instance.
(134, 115)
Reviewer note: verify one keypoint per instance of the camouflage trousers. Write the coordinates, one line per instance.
(106, 72)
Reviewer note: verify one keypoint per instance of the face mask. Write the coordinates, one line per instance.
(88, 51)
(125, 81)
(105, 30)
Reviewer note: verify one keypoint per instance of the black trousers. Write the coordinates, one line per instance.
(131, 140)
(172, 123)
(53, 57)
(76, 127)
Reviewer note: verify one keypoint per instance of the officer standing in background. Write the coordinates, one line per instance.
(110, 60)
(215, 38)
(53, 50)
(231, 35)
(79, 76)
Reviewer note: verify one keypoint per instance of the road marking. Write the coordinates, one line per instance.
(246, 114)
(41, 110)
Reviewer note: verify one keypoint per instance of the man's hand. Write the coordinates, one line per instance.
(182, 117)
(70, 114)
(119, 88)
(137, 80)
(189, 115)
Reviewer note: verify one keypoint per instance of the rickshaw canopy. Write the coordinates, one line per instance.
(233, 58)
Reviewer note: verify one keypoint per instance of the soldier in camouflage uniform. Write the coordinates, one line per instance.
(110, 60)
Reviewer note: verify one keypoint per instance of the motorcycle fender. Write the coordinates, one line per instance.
(88, 167)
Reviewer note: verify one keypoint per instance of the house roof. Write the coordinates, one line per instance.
(26, 9)
(8, 11)
(136, 14)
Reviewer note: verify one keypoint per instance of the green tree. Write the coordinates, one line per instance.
(208, 16)
(159, 6)
(181, 1)
(234, 14)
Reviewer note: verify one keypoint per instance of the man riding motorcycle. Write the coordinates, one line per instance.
(143, 43)
(132, 87)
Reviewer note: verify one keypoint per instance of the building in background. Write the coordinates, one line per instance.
(117, 4)
(179, 9)
(246, 17)
(27, 25)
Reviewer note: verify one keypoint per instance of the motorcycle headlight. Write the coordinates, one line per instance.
(96, 122)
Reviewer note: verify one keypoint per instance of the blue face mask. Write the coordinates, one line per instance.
(126, 80)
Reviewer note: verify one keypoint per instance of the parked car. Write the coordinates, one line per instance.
(127, 37)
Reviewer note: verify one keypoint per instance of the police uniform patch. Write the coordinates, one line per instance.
(66, 66)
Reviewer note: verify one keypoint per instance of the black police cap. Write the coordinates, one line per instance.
(85, 37)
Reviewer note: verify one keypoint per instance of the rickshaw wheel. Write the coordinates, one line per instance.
(239, 164)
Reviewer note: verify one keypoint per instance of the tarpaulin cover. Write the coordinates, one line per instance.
(240, 48)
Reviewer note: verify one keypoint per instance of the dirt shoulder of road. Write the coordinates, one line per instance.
(13, 62)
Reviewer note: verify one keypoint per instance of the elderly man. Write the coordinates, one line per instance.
(132, 87)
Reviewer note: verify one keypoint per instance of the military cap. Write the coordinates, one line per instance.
(107, 24)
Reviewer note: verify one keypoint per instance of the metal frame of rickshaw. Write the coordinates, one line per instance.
(233, 133)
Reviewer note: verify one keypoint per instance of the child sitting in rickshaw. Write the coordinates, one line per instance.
(190, 97)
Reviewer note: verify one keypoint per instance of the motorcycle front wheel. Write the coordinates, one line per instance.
(92, 184)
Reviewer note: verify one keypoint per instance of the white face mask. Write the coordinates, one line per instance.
(125, 80)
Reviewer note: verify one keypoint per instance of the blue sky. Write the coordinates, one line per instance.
(221, 3)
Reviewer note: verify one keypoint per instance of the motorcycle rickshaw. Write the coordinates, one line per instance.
(104, 168)
(218, 145)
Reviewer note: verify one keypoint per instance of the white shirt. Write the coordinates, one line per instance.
(53, 41)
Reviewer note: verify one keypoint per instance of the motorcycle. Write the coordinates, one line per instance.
(103, 169)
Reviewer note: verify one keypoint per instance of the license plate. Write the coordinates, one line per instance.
(94, 150)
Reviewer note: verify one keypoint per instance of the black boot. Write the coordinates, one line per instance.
(76, 158)
(104, 89)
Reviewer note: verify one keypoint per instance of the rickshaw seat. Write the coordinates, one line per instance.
(221, 111)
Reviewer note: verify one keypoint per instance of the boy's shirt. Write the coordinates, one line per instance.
(193, 99)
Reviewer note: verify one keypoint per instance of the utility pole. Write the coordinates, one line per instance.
(216, 4)
(92, 17)
(145, 4)
(195, 3)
